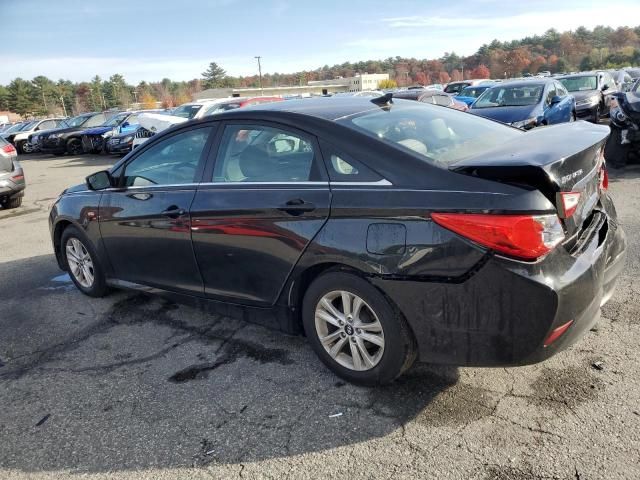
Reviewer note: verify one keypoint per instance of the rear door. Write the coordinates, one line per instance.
(265, 197)
(145, 224)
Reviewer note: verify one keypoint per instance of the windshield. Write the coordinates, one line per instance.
(15, 128)
(221, 108)
(576, 84)
(437, 135)
(115, 121)
(187, 111)
(28, 126)
(510, 96)
(474, 92)
(77, 121)
(455, 87)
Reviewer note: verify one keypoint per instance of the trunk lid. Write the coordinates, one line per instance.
(560, 158)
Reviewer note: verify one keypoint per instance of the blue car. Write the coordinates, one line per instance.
(526, 103)
(469, 94)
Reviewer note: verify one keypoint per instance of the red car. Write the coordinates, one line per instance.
(239, 102)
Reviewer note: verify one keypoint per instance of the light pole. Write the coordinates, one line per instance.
(260, 74)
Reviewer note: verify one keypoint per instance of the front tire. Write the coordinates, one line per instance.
(355, 330)
(82, 262)
(615, 153)
(74, 146)
(596, 115)
(20, 147)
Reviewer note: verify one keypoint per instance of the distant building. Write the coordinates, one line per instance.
(365, 81)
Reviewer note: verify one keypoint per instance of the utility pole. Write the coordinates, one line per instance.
(64, 109)
(260, 75)
(135, 95)
(104, 102)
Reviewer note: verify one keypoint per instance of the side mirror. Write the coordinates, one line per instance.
(605, 88)
(125, 124)
(99, 180)
(555, 100)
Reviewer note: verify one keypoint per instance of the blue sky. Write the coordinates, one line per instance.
(152, 39)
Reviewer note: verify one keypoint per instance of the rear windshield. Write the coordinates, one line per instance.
(576, 84)
(439, 136)
(510, 96)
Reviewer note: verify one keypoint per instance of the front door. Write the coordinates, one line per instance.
(266, 199)
(145, 224)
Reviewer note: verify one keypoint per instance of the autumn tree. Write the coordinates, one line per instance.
(481, 71)
(148, 101)
(384, 84)
(443, 77)
(456, 76)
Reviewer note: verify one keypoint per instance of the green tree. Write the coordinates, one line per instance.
(214, 76)
(22, 96)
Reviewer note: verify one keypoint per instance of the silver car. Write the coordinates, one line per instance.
(12, 182)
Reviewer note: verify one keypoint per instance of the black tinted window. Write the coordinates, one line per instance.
(252, 153)
(172, 161)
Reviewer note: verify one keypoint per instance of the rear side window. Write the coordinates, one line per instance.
(260, 153)
(343, 167)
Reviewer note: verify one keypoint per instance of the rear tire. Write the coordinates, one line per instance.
(12, 203)
(82, 263)
(371, 344)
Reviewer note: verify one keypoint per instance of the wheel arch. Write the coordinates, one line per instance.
(60, 226)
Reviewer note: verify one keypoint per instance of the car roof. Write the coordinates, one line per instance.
(327, 108)
(525, 83)
(581, 74)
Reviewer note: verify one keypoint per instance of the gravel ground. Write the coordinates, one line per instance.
(130, 386)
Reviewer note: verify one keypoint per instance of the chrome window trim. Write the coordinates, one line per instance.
(379, 183)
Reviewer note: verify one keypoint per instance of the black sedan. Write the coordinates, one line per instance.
(385, 230)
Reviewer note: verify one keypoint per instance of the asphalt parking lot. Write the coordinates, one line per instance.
(131, 386)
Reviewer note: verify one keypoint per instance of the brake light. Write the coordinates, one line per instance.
(526, 237)
(557, 333)
(8, 148)
(604, 179)
(18, 177)
(568, 203)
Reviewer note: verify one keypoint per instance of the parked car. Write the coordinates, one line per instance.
(469, 94)
(386, 231)
(12, 131)
(69, 139)
(624, 142)
(623, 79)
(21, 139)
(592, 91)
(526, 104)
(239, 102)
(434, 97)
(12, 183)
(455, 88)
(94, 139)
(633, 72)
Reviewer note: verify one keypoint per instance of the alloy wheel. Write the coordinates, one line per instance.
(349, 330)
(80, 262)
(75, 147)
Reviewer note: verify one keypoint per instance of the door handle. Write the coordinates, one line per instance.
(173, 212)
(297, 206)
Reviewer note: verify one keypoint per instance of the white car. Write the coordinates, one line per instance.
(155, 123)
(21, 139)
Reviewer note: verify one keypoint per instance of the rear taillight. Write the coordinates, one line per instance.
(568, 203)
(556, 333)
(604, 179)
(8, 148)
(526, 237)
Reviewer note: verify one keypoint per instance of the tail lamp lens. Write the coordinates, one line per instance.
(557, 333)
(604, 179)
(525, 237)
(8, 148)
(568, 203)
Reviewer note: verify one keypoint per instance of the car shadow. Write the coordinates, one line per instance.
(63, 161)
(131, 381)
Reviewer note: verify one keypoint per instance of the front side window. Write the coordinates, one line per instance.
(550, 94)
(95, 121)
(172, 161)
(440, 136)
(253, 153)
